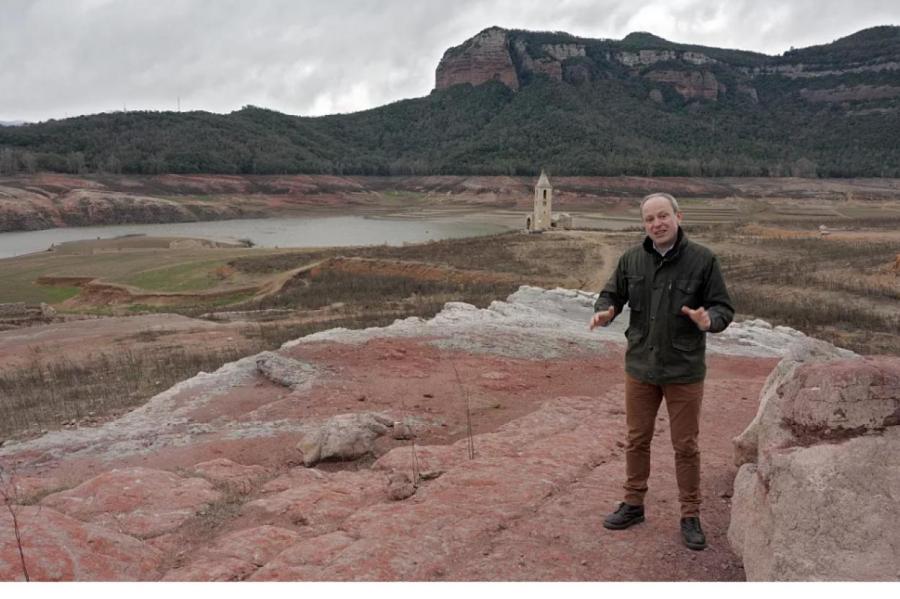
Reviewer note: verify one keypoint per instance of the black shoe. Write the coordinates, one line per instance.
(624, 516)
(692, 534)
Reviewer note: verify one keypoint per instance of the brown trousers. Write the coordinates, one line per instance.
(683, 405)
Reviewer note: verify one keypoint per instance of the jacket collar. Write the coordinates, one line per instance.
(680, 242)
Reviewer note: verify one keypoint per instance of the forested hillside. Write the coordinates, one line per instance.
(638, 106)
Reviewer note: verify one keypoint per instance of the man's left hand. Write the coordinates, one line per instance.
(700, 317)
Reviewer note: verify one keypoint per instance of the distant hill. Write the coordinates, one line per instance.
(512, 102)
(11, 123)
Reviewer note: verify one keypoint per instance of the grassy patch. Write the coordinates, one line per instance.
(188, 276)
(167, 270)
(56, 294)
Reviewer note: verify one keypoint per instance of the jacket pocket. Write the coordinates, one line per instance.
(689, 341)
(636, 323)
(684, 293)
(636, 293)
(686, 336)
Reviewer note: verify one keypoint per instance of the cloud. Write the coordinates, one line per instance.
(74, 57)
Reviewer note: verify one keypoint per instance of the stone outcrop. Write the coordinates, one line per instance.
(690, 84)
(284, 371)
(816, 496)
(343, 437)
(854, 93)
(549, 65)
(649, 57)
(809, 71)
(482, 58)
(645, 57)
(563, 51)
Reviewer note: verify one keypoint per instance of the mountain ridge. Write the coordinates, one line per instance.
(509, 102)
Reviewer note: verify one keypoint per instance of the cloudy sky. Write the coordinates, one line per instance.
(63, 58)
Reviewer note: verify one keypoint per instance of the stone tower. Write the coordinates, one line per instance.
(541, 219)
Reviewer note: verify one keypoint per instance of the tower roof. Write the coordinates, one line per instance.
(543, 181)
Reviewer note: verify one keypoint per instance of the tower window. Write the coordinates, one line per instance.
(545, 194)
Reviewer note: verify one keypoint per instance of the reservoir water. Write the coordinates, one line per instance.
(306, 231)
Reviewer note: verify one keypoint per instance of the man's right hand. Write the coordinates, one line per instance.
(602, 318)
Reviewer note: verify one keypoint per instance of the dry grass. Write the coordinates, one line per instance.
(834, 290)
(372, 290)
(47, 394)
(548, 255)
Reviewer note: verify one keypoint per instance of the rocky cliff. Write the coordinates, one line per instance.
(513, 57)
(482, 58)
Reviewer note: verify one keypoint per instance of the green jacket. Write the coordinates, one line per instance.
(665, 346)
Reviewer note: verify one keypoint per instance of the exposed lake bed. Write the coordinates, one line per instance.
(311, 230)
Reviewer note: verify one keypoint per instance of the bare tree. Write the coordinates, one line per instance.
(8, 495)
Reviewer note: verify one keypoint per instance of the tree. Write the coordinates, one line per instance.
(804, 167)
(75, 162)
(8, 163)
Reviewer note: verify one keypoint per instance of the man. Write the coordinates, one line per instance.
(677, 294)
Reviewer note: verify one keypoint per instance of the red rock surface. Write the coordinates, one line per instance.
(209, 469)
(58, 547)
(231, 475)
(137, 501)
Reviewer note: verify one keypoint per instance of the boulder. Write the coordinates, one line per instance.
(343, 437)
(403, 431)
(399, 486)
(766, 428)
(284, 371)
(816, 495)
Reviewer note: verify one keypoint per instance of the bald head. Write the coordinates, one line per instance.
(668, 197)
